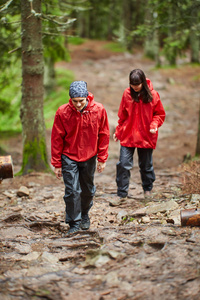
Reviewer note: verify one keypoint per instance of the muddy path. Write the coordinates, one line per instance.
(135, 250)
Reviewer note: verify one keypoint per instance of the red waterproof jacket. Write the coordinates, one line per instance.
(80, 135)
(137, 118)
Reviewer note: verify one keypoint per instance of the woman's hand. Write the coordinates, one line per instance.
(58, 172)
(115, 138)
(153, 130)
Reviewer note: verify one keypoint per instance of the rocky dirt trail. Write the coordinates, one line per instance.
(135, 250)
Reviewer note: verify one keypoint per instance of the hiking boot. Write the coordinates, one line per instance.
(85, 222)
(118, 201)
(147, 195)
(74, 227)
(73, 230)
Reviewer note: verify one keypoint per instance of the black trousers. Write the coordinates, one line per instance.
(125, 164)
(79, 187)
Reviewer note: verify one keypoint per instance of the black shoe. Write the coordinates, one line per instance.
(85, 222)
(74, 227)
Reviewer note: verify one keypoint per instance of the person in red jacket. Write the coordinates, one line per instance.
(140, 114)
(80, 136)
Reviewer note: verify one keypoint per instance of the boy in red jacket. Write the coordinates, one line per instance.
(140, 114)
(80, 136)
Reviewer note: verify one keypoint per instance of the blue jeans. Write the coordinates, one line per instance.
(125, 164)
(79, 187)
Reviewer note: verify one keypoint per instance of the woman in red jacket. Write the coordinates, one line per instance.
(80, 136)
(140, 114)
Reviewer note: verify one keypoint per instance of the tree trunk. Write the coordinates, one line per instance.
(151, 44)
(172, 50)
(127, 21)
(198, 136)
(92, 33)
(31, 112)
(194, 37)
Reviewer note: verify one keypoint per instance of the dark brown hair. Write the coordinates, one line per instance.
(137, 77)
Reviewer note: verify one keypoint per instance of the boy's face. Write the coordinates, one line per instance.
(79, 102)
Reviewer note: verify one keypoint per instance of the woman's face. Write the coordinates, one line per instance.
(137, 87)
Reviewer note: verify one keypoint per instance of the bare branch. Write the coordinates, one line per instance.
(53, 34)
(16, 49)
(51, 19)
(5, 6)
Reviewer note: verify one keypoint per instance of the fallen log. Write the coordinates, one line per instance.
(190, 217)
(6, 167)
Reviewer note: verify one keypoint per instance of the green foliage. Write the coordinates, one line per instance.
(59, 96)
(173, 22)
(132, 219)
(54, 47)
(97, 21)
(75, 40)
(9, 42)
(55, 25)
(10, 99)
(127, 219)
(56, 22)
(115, 47)
(141, 31)
(175, 45)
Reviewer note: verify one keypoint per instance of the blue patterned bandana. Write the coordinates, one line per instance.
(78, 89)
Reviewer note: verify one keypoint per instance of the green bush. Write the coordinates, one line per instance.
(10, 98)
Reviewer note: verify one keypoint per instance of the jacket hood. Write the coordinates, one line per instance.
(149, 83)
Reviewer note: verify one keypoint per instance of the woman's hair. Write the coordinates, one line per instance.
(137, 77)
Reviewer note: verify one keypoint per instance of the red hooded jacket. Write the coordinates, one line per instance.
(80, 135)
(137, 118)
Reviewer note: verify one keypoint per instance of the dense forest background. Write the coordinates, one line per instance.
(136, 248)
(36, 34)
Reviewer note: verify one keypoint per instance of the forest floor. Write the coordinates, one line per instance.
(135, 250)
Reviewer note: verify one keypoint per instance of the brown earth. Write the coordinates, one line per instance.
(127, 254)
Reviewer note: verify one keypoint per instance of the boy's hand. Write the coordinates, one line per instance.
(153, 130)
(100, 166)
(58, 172)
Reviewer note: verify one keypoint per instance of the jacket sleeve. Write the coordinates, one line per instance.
(122, 114)
(57, 140)
(103, 138)
(158, 114)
